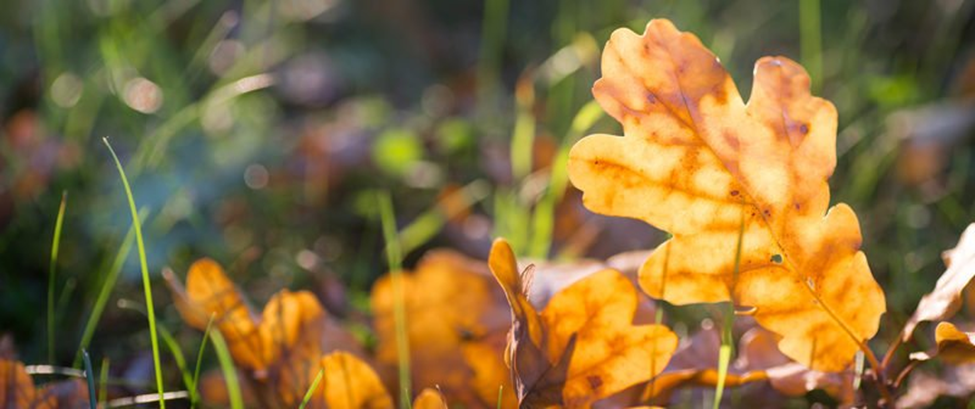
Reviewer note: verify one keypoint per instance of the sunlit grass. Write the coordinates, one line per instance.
(146, 286)
(228, 370)
(311, 390)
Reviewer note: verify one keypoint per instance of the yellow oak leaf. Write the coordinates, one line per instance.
(583, 346)
(699, 163)
(456, 319)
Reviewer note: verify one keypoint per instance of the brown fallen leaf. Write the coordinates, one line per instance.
(697, 162)
(456, 321)
(17, 390)
(16, 387)
(759, 361)
(924, 388)
(946, 298)
(758, 352)
(583, 346)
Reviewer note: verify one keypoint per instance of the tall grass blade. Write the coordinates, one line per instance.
(194, 391)
(90, 379)
(229, 372)
(146, 286)
(311, 390)
(55, 244)
(103, 294)
(394, 257)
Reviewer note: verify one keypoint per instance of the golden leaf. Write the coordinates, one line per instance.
(699, 163)
(946, 298)
(456, 321)
(429, 398)
(280, 349)
(583, 346)
(954, 346)
(350, 383)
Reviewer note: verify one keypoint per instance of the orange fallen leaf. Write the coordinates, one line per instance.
(456, 321)
(349, 383)
(16, 387)
(278, 350)
(583, 346)
(17, 390)
(699, 163)
(430, 398)
(946, 298)
(954, 346)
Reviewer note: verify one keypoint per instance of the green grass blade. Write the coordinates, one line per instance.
(394, 257)
(500, 394)
(229, 372)
(146, 286)
(103, 294)
(724, 357)
(311, 390)
(90, 379)
(194, 395)
(55, 244)
(103, 382)
(177, 353)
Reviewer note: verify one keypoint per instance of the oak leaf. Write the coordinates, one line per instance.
(583, 346)
(350, 383)
(946, 298)
(456, 321)
(430, 398)
(17, 390)
(698, 163)
(278, 349)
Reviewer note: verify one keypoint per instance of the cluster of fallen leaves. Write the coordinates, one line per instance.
(741, 188)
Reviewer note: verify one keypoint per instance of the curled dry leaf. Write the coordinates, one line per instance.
(277, 350)
(699, 163)
(924, 388)
(456, 325)
(759, 360)
(583, 346)
(954, 346)
(17, 390)
(758, 352)
(946, 298)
